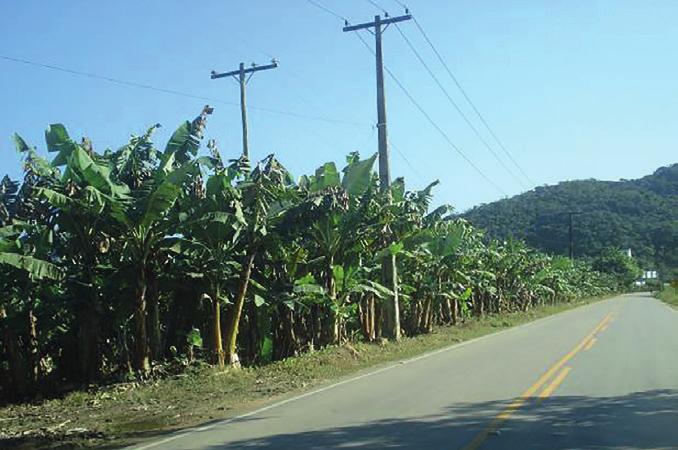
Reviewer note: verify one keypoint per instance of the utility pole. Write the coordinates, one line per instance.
(377, 28)
(571, 215)
(571, 237)
(241, 76)
(391, 316)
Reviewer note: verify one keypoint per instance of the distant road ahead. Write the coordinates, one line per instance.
(603, 376)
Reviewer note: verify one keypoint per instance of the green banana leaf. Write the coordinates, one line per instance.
(36, 268)
(357, 176)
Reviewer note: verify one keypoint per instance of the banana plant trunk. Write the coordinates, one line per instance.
(372, 332)
(234, 319)
(285, 339)
(124, 362)
(89, 357)
(316, 326)
(427, 316)
(253, 332)
(32, 349)
(445, 304)
(447, 313)
(140, 360)
(16, 362)
(455, 311)
(216, 350)
(378, 318)
(414, 316)
(478, 302)
(153, 319)
(391, 326)
(332, 293)
(366, 312)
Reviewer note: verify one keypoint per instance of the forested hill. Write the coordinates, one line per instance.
(639, 214)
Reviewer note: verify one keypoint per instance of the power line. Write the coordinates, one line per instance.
(416, 104)
(433, 123)
(175, 92)
(327, 10)
(390, 142)
(376, 5)
(298, 81)
(250, 46)
(454, 104)
(407, 161)
(468, 99)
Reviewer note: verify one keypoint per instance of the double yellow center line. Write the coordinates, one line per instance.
(525, 396)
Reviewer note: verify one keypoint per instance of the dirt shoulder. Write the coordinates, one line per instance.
(668, 295)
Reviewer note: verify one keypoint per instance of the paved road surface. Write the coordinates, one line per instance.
(603, 376)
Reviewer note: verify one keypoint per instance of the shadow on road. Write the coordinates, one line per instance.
(642, 420)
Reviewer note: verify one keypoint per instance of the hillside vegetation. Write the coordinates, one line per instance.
(638, 214)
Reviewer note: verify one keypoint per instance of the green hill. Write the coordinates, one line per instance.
(638, 214)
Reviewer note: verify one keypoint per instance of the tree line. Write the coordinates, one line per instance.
(114, 262)
(638, 214)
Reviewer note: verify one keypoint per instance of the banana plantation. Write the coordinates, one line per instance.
(115, 262)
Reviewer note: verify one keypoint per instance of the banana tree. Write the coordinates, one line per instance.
(25, 247)
(287, 312)
(211, 238)
(266, 193)
(147, 226)
(88, 214)
(335, 213)
(23, 269)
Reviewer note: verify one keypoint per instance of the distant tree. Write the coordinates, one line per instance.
(638, 214)
(615, 262)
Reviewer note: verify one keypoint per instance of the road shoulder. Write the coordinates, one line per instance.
(130, 413)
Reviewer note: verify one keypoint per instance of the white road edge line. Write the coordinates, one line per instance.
(186, 432)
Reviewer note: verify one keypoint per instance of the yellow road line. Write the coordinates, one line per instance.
(520, 401)
(590, 344)
(557, 381)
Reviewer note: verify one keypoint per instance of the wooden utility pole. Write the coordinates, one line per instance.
(391, 310)
(241, 76)
(572, 214)
(377, 28)
(571, 237)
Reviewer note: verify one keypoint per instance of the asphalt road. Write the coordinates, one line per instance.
(604, 376)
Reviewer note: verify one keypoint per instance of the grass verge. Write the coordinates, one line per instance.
(113, 416)
(668, 295)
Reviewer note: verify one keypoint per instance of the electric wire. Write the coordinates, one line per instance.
(378, 6)
(454, 104)
(397, 149)
(463, 92)
(467, 97)
(407, 161)
(414, 101)
(433, 123)
(175, 92)
(327, 10)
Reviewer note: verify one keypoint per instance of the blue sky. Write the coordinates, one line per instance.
(574, 89)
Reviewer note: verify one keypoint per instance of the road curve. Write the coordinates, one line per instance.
(603, 376)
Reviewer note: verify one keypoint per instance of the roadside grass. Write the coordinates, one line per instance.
(122, 414)
(668, 295)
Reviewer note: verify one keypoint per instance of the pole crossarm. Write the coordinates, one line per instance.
(241, 76)
(385, 21)
(252, 69)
